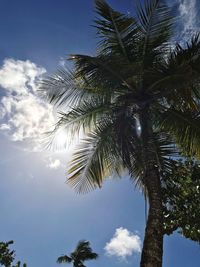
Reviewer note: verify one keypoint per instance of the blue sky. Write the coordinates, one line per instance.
(39, 211)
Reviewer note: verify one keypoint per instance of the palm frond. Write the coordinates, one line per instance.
(165, 149)
(84, 252)
(188, 53)
(94, 160)
(184, 127)
(102, 71)
(184, 64)
(178, 74)
(63, 89)
(155, 21)
(162, 148)
(85, 116)
(127, 139)
(64, 259)
(117, 31)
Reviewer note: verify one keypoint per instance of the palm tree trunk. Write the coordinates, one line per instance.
(152, 251)
(153, 242)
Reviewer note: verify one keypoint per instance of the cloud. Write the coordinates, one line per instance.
(17, 76)
(62, 62)
(123, 244)
(53, 163)
(188, 10)
(24, 116)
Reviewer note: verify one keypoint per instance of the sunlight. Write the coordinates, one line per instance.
(64, 140)
(61, 140)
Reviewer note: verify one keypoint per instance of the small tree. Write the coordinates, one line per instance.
(82, 252)
(7, 256)
(181, 199)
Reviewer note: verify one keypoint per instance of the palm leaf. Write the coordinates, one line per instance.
(184, 127)
(63, 89)
(64, 259)
(94, 160)
(103, 71)
(83, 117)
(155, 21)
(162, 148)
(83, 252)
(177, 74)
(115, 30)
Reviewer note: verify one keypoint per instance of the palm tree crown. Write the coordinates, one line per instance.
(136, 67)
(82, 252)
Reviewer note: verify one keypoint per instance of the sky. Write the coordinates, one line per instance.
(38, 210)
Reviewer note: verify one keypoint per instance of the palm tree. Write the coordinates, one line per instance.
(19, 264)
(137, 103)
(82, 252)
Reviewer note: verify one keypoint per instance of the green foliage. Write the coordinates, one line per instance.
(181, 199)
(82, 253)
(18, 264)
(7, 256)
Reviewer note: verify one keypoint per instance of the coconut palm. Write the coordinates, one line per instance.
(82, 253)
(19, 264)
(136, 104)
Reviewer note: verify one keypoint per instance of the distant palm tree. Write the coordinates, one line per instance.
(82, 252)
(19, 264)
(136, 101)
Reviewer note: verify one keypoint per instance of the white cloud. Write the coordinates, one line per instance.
(17, 76)
(4, 127)
(62, 62)
(188, 13)
(53, 163)
(123, 244)
(24, 116)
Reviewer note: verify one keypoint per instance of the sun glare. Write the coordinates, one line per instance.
(64, 140)
(61, 140)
